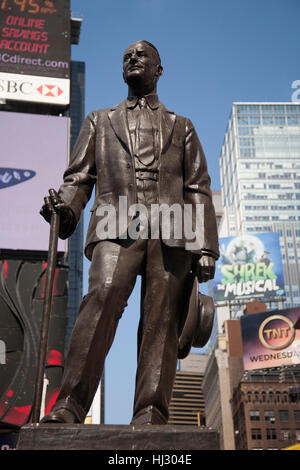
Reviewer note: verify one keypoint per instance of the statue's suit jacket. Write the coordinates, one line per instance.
(103, 156)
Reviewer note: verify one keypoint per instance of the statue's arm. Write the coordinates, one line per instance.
(197, 190)
(78, 181)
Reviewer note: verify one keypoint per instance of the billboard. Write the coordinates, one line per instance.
(22, 294)
(35, 89)
(271, 339)
(34, 42)
(249, 267)
(34, 155)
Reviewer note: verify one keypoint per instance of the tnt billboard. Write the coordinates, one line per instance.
(34, 155)
(250, 267)
(271, 339)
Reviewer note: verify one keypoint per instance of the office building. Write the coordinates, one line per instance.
(260, 179)
(187, 403)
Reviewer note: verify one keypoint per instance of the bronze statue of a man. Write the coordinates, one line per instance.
(144, 154)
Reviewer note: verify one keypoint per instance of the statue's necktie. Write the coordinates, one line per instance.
(144, 141)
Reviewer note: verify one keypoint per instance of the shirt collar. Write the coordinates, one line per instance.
(152, 101)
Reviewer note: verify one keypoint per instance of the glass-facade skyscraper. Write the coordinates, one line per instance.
(260, 180)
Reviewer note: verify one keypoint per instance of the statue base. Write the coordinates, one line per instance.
(111, 437)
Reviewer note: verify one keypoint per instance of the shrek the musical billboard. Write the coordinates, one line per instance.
(249, 267)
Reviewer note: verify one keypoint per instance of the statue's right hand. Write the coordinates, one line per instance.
(54, 203)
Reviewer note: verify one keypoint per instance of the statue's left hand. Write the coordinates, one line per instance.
(205, 268)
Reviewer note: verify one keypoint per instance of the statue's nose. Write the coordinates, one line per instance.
(133, 58)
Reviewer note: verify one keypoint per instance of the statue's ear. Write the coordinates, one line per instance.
(160, 70)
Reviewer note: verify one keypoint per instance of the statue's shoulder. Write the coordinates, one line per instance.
(98, 116)
(179, 118)
(100, 112)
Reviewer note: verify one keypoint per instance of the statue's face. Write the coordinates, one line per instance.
(140, 63)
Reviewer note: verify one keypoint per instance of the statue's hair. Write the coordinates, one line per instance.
(153, 47)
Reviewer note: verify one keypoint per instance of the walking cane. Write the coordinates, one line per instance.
(50, 271)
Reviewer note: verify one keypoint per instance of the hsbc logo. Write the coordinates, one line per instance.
(35, 89)
(12, 87)
(26, 88)
(50, 90)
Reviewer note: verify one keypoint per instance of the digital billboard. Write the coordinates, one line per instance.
(249, 267)
(35, 42)
(34, 156)
(22, 294)
(271, 339)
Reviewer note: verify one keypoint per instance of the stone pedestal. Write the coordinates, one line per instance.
(110, 437)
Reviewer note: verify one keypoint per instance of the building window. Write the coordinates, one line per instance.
(297, 416)
(271, 434)
(285, 434)
(256, 434)
(254, 415)
(270, 416)
(297, 435)
(283, 416)
(249, 394)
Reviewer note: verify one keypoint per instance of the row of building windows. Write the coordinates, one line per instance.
(270, 141)
(272, 434)
(268, 120)
(270, 397)
(270, 165)
(289, 232)
(253, 128)
(269, 415)
(276, 152)
(274, 218)
(267, 108)
(272, 208)
(284, 196)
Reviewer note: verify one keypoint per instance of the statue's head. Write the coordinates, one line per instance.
(141, 65)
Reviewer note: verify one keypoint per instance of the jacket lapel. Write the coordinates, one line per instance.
(118, 120)
(167, 122)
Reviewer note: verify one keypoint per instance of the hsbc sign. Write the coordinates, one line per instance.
(36, 89)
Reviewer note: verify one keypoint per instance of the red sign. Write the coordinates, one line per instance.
(35, 37)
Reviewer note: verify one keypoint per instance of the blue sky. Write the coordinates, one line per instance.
(214, 52)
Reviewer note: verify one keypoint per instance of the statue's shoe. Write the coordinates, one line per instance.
(59, 416)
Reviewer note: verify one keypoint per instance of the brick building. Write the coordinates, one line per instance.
(266, 415)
